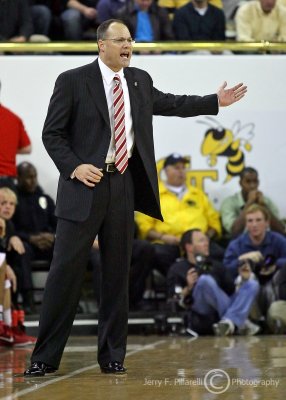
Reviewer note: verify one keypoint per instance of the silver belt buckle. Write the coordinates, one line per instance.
(110, 168)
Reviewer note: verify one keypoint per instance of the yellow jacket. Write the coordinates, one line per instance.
(194, 210)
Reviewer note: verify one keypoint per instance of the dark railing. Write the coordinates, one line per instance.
(91, 47)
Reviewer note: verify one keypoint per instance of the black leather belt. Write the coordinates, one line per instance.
(110, 167)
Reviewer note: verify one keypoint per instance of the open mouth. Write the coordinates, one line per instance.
(125, 55)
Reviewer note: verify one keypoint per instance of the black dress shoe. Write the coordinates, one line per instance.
(39, 368)
(114, 367)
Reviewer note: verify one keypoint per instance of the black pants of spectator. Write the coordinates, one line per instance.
(22, 265)
(143, 256)
(142, 261)
(165, 256)
(201, 324)
(272, 289)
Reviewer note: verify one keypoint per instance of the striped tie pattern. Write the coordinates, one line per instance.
(121, 156)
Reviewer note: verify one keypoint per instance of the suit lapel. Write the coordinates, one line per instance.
(96, 89)
(133, 88)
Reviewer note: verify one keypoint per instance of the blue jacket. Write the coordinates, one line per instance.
(273, 244)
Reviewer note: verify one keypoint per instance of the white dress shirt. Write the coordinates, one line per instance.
(108, 83)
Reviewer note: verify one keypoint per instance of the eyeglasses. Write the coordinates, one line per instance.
(121, 41)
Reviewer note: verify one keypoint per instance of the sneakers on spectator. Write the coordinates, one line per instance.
(224, 327)
(18, 330)
(249, 328)
(191, 333)
(21, 339)
(14, 336)
(6, 335)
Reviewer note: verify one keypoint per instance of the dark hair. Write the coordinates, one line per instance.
(23, 167)
(101, 30)
(247, 170)
(187, 238)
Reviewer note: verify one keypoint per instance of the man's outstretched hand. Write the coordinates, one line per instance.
(226, 97)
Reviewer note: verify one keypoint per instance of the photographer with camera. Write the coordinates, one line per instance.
(261, 253)
(207, 290)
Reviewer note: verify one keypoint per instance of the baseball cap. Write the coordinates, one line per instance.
(174, 158)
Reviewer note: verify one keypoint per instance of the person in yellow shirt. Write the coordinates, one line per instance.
(183, 207)
(261, 20)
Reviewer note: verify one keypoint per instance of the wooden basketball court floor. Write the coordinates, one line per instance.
(159, 367)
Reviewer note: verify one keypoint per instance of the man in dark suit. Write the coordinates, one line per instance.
(97, 192)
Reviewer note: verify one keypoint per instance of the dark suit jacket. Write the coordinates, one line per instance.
(188, 24)
(77, 130)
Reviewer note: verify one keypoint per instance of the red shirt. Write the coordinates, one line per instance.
(12, 138)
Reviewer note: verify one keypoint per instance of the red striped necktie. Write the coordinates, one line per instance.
(121, 156)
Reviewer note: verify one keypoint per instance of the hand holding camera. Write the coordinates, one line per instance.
(254, 261)
(245, 269)
(254, 256)
(192, 277)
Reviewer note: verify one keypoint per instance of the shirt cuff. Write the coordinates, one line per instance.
(72, 175)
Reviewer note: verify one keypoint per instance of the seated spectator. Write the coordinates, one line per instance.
(233, 207)
(14, 140)
(146, 21)
(7, 279)
(260, 253)
(11, 322)
(183, 207)
(15, 20)
(199, 20)
(107, 9)
(8, 202)
(261, 20)
(16, 23)
(78, 17)
(41, 15)
(35, 223)
(11, 244)
(208, 291)
(195, 250)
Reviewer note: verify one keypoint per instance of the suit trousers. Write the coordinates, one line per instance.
(112, 218)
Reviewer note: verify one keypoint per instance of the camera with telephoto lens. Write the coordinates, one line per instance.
(203, 265)
(256, 266)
